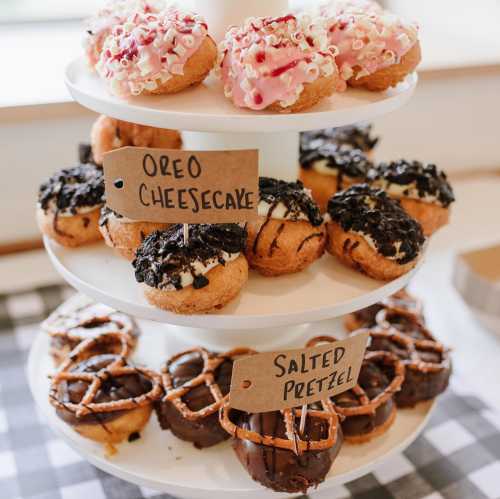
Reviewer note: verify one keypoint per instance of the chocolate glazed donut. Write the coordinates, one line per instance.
(196, 381)
(270, 448)
(427, 364)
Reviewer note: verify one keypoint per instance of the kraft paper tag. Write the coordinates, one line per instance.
(169, 185)
(278, 380)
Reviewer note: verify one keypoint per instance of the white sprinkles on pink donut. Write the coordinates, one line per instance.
(146, 50)
(368, 38)
(114, 12)
(269, 60)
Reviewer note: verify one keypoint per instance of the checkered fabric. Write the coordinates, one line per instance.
(457, 456)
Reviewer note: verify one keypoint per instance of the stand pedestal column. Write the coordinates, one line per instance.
(278, 152)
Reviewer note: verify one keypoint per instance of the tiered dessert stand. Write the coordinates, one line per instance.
(270, 313)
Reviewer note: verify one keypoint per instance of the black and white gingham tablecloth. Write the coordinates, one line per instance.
(457, 456)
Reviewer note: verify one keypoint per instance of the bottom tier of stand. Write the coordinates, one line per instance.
(160, 461)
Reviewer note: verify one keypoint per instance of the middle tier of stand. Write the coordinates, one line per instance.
(325, 290)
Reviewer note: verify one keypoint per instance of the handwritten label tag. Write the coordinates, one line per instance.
(273, 381)
(169, 185)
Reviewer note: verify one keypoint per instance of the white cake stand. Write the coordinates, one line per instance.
(270, 313)
(162, 462)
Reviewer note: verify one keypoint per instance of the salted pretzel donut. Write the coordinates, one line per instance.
(358, 136)
(423, 191)
(123, 234)
(69, 204)
(280, 64)
(114, 12)
(109, 133)
(79, 319)
(201, 276)
(427, 364)
(376, 49)
(401, 301)
(156, 53)
(370, 232)
(103, 397)
(289, 234)
(196, 383)
(406, 322)
(367, 410)
(329, 168)
(272, 450)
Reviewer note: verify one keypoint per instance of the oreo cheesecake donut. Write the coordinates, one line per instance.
(281, 64)
(376, 49)
(79, 319)
(69, 205)
(196, 383)
(423, 191)
(400, 302)
(85, 154)
(289, 233)
(114, 12)
(108, 134)
(103, 397)
(276, 454)
(356, 136)
(331, 168)
(370, 232)
(123, 234)
(198, 277)
(156, 53)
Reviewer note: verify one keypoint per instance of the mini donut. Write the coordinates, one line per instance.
(280, 64)
(69, 205)
(108, 134)
(402, 301)
(125, 235)
(289, 233)
(275, 453)
(79, 319)
(114, 12)
(198, 277)
(196, 383)
(357, 136)
(427, 364)
(331, 168)
(369, 231)
(103, 397)
(376, 49)
(423, 191)
(159, 53)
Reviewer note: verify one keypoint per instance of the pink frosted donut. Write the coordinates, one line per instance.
(156, 53)
(114, 12)
(368, 38)
(280, 63)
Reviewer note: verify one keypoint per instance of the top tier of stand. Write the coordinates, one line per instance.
(205, 108)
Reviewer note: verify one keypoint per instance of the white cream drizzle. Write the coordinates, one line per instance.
(201, 268)
(404, 191)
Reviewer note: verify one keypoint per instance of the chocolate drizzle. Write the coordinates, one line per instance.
(85, 155)
(373, 213)
(427, 179)
(163, 257)
(355, 136)
(81, 186)
(293, 195)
